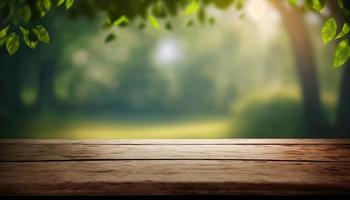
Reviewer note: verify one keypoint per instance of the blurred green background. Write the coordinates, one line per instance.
(232, 78)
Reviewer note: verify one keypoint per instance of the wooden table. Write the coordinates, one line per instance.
(124, 167)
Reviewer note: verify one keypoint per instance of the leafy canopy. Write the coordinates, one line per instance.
(23, 17)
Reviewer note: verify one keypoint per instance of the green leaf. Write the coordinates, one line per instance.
(159, 9)
(43, 6)
(202, 15)
(3, 35)
(239, 4)
(26, 13)
(42, 34)
(29, 42)
(342, 53)
(345, 30)
(190, 23)
(142, 26)
(12, 43)
(108, 20)
(60, 2)
(293, 2)
(329, 30)
(316, 5)
(69, 4)
(47, 4)
(153, 21)
(4, 31)
(212, 20)
(12, 7)
(23, 30)
(169, 26)
(121, 20)
(3, 4)
(110, 37)
(2, 41)
(40, 8)
(192, 8)
(341, 4)
(15, 21)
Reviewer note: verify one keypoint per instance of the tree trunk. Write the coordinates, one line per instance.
(316, 123)
(343, 111)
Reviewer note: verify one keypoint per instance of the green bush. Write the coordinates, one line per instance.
(269, 116)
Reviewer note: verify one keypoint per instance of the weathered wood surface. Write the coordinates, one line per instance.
(121, 167)
(78, 152)
(181, 141)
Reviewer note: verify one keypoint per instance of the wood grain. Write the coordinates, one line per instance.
(66, 152)
(173, 177)
(138, 167)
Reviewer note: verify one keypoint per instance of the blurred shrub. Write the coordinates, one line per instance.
(273, 115)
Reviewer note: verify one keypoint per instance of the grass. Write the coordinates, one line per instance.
(127, 127)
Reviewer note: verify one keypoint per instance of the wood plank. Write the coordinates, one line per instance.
(180, 141)
(174, 177)
(67, 152)
(119, 167)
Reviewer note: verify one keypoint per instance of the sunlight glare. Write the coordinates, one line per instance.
(168, 51)
(265, 16)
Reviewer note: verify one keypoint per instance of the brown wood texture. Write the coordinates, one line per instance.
(136, 167)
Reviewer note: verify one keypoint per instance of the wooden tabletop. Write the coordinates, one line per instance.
(142, 167)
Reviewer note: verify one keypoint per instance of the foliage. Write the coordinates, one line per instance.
(330, 27)
(266, 115)
(12, 43)
(329, 31)
(204, 82)
(273, 113)
(342, 53)
(21, 16)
